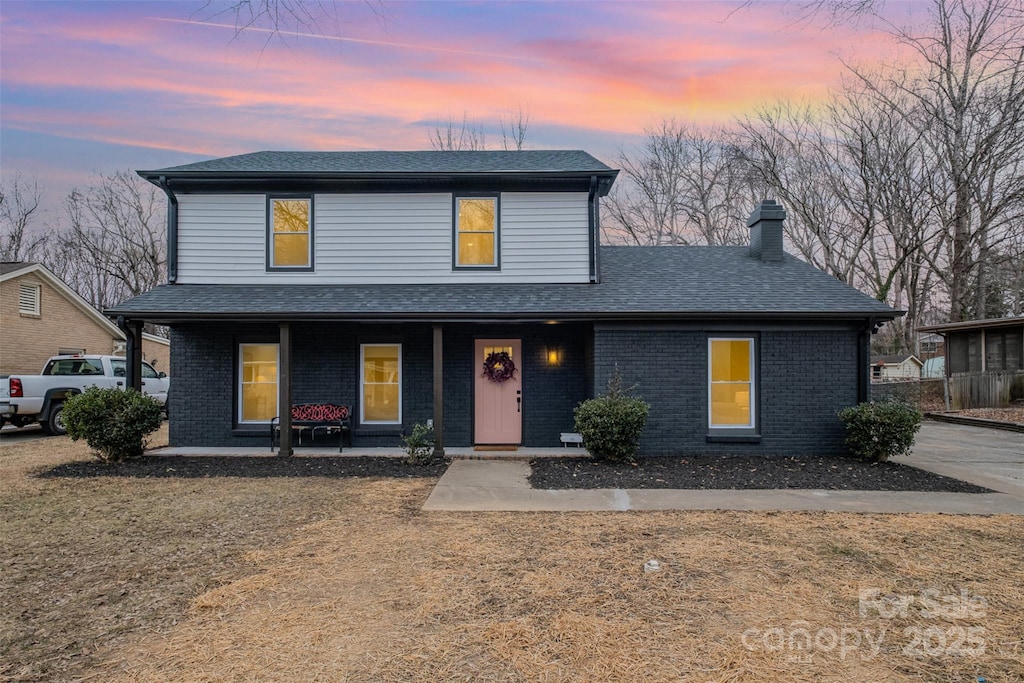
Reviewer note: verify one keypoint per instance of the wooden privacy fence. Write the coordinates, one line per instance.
(985, 389)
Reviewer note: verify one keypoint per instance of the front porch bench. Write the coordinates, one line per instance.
(330, 417)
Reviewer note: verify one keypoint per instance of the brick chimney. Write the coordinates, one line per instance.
(765, 225)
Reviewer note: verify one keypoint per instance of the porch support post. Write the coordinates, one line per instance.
(438, 390)
(284, 390)
(133, 352)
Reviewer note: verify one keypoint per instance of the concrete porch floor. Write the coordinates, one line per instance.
(520, 454)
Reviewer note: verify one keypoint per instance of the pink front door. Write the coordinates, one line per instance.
(498, 406)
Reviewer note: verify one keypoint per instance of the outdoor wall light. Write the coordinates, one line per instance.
(554, 356)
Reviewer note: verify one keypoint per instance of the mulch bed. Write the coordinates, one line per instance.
(187, 467)
(741, 472)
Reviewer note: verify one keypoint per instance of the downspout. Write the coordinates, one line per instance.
(172, 231)
(133, 352)
(592, 224)
(864, 361)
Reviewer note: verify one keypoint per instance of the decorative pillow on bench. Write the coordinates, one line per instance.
(319, 412)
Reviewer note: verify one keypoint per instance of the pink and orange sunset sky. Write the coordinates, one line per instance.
(93, 87)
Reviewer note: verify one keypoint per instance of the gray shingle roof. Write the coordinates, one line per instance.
(645, 282)
(11, 266)
(470, 162)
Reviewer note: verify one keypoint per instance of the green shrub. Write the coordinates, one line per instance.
(419, 445)
(113, 422)
(611, 424)
(879, 431)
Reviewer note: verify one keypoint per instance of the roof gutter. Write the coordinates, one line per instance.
(440, 316)
(198, 179)
(172, 231)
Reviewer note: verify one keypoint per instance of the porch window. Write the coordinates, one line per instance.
(380, 375)
(257, 376)
(289, 233)
(476, 232)
(731, 383)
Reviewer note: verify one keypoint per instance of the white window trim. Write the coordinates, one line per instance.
(753, 388)
(362, 384)
(271, 251)
(35, 292)
(241, 374)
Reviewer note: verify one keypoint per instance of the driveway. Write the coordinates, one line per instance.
(10, 434)
(987, 457)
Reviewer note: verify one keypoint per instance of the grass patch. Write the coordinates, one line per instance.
(321, 579)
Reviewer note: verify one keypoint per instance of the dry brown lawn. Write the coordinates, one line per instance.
(349, 580)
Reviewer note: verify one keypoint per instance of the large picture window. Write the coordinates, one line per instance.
(476, 232)
(731, 383)
(257, 377)
(290, 233)
(380, 375)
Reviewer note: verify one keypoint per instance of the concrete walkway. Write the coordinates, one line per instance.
(980, 456)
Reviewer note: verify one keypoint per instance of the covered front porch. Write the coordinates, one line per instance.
(230, 378)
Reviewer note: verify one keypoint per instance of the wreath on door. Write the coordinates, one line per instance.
(498, 367)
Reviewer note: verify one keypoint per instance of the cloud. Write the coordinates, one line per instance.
(343, 39)
(112, 74)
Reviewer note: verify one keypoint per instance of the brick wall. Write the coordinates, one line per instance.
(158, 355)
(26, 342)
(325, 368)
(804, 377)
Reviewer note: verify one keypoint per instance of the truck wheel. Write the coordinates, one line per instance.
(54, 424)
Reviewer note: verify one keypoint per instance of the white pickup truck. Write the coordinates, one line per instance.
(26, 399)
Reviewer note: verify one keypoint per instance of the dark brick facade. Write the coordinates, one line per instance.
(804, 376)
(325, 368)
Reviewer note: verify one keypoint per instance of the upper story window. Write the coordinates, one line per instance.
(28, 299)
(290, 233)
(477, 237)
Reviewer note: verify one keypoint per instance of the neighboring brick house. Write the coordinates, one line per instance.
(40, 316)
(403, 284)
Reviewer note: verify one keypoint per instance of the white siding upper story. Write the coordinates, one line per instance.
(383, 239)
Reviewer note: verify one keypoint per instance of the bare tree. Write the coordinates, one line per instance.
(513, 129)
(965, 89)
(113, 244)
(281, 18)
(20, 201)
(452, 136)
(681, 185)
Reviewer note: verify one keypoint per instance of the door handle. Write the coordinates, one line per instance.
(519, 402)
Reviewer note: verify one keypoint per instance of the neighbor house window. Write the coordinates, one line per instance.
(257, 378)
(28, 299)
(476, 232)
(731, 383)
(380, 374)
(290, 233)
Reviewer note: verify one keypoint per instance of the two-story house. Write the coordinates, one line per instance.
(471, 288)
